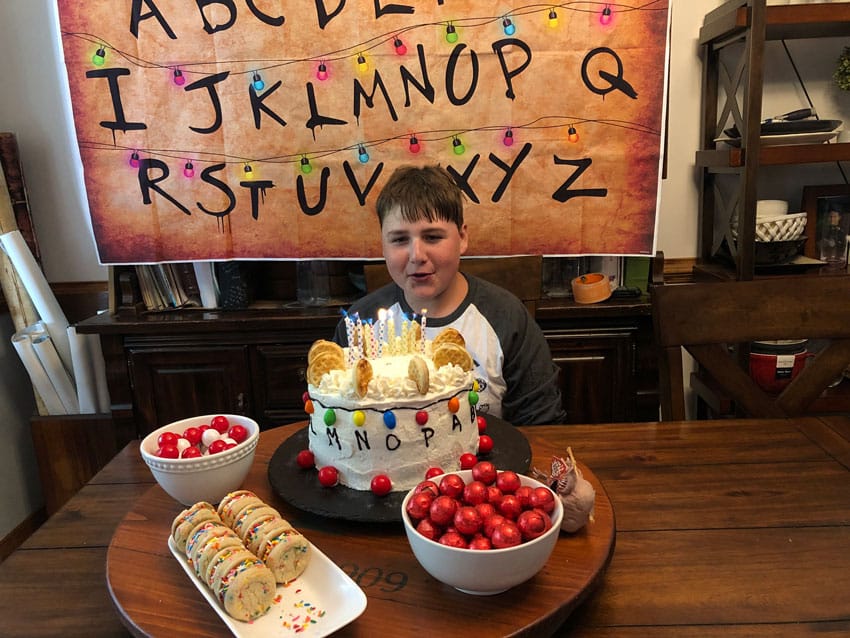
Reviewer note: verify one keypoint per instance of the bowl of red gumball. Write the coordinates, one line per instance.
(202, 458)
(483, 530)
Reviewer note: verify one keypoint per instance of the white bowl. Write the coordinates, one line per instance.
(205, 478)
(771, 208)
(488, 571)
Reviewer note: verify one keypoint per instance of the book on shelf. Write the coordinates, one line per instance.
(168, 286)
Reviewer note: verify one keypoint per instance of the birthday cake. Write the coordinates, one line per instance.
(389, 408)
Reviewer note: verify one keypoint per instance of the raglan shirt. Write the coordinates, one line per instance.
(518, 381)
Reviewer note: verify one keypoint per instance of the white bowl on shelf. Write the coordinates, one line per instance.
(205, 478)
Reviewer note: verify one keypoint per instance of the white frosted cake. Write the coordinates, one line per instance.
(396, 410)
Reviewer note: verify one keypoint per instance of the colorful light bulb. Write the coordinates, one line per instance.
(414, 144)
(179, 79)
(457, 146)
(451, 34)
(400, 47)
(553, 18)
(322, 72)
(605, 17)
(189, 170)
(362, 155)
(248, 172)
(508, 140)
(508, 26)
(362, 64)
(257, 82)
(306, 166)
(572, 134)
(134, 159)
(99, 57)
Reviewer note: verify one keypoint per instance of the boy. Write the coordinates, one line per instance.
(423, 236)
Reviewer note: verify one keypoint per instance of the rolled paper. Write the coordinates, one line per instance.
(42, 345)
(83, 372)
(206, 283)
(40, 381)
(39, 291)
(104, 405)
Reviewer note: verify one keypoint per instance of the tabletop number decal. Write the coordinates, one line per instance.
(388, 582)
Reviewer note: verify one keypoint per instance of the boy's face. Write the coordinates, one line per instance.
(422, 258)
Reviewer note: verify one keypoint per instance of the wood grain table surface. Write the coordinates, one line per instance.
(723, 528)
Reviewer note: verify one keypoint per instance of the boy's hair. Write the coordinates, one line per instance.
(427, 192)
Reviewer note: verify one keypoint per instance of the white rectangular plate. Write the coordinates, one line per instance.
(317, 603)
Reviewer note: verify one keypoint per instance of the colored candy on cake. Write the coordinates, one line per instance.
(392, 404)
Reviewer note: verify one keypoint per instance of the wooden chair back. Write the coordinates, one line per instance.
(522, 275)
(715, 322)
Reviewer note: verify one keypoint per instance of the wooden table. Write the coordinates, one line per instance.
(724, 528)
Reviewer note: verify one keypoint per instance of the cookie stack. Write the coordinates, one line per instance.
(240, 551)
(265, 532)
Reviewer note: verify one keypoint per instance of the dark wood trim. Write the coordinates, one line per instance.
(22, 532)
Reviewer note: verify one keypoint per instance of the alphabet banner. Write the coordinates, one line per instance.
(265, 129)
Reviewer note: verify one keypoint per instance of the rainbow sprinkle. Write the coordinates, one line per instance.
(298, 622)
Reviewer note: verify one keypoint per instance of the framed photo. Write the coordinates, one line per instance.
(827, 223)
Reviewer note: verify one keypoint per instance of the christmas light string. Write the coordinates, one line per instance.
(207, 157)
(253, 66)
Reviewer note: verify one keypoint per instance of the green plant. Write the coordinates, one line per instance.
(842, 71)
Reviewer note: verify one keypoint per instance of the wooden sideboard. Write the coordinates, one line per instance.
(166, 366)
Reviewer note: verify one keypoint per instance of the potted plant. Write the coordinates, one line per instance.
(842, 70)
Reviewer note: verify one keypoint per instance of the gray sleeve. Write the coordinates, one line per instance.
(533, 395)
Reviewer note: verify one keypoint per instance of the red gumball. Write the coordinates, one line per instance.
(543, 498)
(482, 424)
(238, 433)
(427, 528)
(474, 493)
(485, 444)
(533, 523)
(508, 481)
(467, 461)
(305, 459)
(452, 485)
(479, 541)
(510, 506)
(168, 451)
(494, 495)
(328, 476)
(193, 435)
(217, 446)
(523, 492)
(485, 472)
(442, 510)
(419, 505)
(190, 452)
(467, 520)
(431, 472)
(167, 438)
(381, 485)
(220, 423)
(421, 417)
(429, 487)
(491, 523)
(486, 510)
(506, 535)
(452, 539)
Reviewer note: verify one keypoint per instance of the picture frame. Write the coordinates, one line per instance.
(827, 223)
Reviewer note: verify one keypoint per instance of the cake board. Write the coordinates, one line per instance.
(300, 488)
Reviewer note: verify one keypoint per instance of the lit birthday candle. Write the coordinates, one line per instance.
(422, 325)
(382, 330)
(390, 331)
(405, 328)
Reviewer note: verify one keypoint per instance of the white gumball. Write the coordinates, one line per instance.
(228, 440)
(182, 444)
(209, 436)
